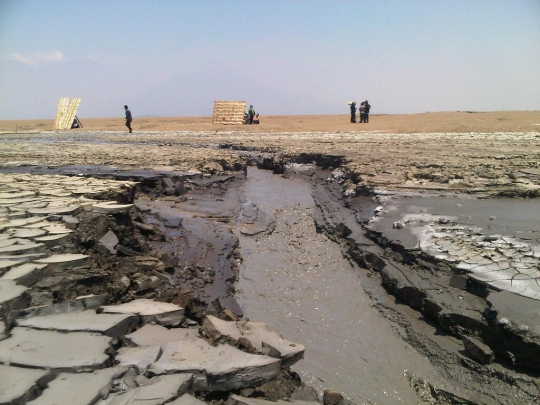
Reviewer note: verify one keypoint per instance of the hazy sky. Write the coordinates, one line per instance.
(174, 58)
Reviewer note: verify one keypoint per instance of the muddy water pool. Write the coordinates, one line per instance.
(513, 217)
(298, 282)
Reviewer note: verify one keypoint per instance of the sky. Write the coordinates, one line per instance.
(174, 58)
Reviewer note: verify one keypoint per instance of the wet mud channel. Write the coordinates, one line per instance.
(292, 251)
(297, 280)
(398, 296)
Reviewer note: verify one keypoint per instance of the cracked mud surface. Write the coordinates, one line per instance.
(279, 243)
(500, 163)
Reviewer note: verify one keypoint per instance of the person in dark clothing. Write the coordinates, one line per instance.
(366, 114)
(353, 110)
(362, 112)
(128, 118)
(251, 113)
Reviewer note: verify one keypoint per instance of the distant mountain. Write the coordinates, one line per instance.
(29, 92)
(194, 94)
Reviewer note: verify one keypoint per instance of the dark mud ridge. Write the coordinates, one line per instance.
(180, 245)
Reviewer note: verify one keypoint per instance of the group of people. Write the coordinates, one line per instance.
(363, 111)
(253, 118)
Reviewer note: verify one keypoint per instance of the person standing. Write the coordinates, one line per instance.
(366, 114)
(251, 113)
(128, 118)
(352, 104)
(362, 112)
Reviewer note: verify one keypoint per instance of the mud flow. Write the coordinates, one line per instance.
(337, 273)
(397, 298)
(298, 281)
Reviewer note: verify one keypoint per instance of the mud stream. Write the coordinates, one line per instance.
(283, 249)
(298, 281)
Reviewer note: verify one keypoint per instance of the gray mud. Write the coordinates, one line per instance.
(518, 218)
(305, 278)
(297, 281)
(292, 251)
(196, 232)
(305, 265)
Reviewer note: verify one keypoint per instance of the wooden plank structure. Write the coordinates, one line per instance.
(61, 112)
(229, 112)
(66, 112)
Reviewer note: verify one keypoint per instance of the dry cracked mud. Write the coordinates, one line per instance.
(404, 263)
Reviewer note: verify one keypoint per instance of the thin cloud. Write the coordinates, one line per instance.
(37, 58)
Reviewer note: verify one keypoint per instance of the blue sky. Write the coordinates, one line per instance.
(174, 58)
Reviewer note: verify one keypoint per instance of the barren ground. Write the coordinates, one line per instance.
(464, 121)
(493, 154)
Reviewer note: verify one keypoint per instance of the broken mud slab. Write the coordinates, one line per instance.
(46, 325)
(256, 335)
(49, 349)
(48, 363)
(20, 385)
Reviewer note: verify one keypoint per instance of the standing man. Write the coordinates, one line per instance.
(251, 113)
(128, 118)
(353, 110)
(362, 111)
(366, 115)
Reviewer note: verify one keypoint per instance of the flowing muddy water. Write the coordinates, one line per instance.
(298, 282)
